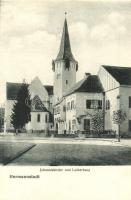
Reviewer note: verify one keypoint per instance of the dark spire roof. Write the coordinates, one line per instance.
(65, 48)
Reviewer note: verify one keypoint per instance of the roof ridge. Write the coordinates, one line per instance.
(121, 74)
(116, 66)
(13, 82)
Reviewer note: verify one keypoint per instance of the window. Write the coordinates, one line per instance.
(64, 108)
(72, 105)
(130, 125)
(99, 104)
(38, 118)
(66, 82)
(46, 118)
(94, 104)
(30, 118)
(130, 102)
(68, 106)
(88, 104)
(73, 124)
(57, 110)
(86, 124)
(69, 125)
(107, 105)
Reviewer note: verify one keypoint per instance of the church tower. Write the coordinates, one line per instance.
(64, 67)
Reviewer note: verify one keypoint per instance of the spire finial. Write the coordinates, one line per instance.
(65, 14)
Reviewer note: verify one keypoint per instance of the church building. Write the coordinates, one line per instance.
(41, 106)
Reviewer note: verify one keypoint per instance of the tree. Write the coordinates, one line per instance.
(22, 108)
(118, 117)
(97, 120)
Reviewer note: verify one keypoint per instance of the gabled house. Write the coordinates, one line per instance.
(116, 82)
(78, 105)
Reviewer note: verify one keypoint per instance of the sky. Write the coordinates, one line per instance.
(30, 34)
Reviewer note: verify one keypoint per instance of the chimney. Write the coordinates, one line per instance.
(86, 75)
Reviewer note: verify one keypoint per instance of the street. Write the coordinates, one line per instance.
(63, 152)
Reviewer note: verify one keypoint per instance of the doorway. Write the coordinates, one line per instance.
(87, 124)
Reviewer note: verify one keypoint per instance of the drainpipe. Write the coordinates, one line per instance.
(119, 108)
(103, 111)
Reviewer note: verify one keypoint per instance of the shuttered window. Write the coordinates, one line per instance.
(130, 102)
(88, 104)
(99, 104)
(94, 104)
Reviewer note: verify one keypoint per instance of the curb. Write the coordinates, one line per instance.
(19, 154)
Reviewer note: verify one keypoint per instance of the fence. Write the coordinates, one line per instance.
(69, 134)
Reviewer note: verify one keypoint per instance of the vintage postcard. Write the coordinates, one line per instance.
(65, 99)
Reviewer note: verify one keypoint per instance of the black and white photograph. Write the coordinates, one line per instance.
(65, 83)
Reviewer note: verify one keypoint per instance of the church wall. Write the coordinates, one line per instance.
(36, 88)
(35, 125)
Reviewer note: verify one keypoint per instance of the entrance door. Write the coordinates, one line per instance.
(56, 127)
(87, 124)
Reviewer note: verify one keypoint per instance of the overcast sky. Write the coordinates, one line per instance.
(30, 33)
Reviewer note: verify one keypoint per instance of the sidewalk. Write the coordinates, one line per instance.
(91, 141)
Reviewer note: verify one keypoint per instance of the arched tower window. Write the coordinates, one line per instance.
(66, 82)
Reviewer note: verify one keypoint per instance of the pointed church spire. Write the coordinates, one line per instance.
(65, 48)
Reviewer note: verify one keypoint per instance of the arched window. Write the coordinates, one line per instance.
(38, 118)
(46, 118)
(66, 82)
